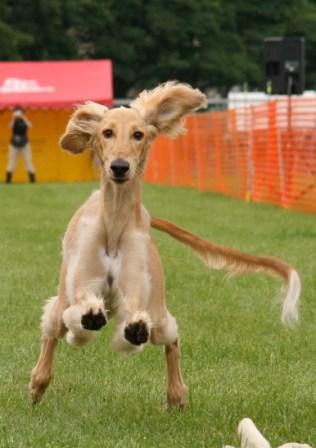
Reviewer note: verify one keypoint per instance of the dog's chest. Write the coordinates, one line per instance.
(112, 268)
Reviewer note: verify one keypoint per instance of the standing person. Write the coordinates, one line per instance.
(19, 145)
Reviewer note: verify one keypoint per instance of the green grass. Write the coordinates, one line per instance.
(238, 359)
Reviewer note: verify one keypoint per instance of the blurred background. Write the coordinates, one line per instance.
(254, 60)
(212, 44)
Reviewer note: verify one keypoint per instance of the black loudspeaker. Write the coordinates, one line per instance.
(284, 59)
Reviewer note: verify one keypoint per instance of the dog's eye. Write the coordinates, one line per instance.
(108, 133)
(138, 135)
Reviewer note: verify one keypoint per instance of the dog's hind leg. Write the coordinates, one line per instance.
(176, 389)
(165, 332)
(52, 329)
(42, 372)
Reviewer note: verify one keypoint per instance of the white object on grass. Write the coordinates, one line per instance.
(251, 437)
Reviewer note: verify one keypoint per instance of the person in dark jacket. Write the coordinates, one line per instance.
(19, 145)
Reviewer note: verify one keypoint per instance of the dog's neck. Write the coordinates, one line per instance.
(121, 206)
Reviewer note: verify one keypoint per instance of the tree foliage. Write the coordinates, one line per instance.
(209, 43)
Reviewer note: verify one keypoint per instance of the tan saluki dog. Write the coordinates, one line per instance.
(111, 267)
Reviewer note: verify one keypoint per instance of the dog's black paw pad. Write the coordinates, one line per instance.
(137, 333)
(92, 321)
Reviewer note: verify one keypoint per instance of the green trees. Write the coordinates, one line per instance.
(209, 43)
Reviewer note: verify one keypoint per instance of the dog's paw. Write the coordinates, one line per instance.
(85, 317)
(137, 333)
(92, 321)
(132, 334)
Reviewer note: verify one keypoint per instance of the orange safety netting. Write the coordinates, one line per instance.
(264, 153)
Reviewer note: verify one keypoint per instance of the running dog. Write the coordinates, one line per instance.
(111, 267)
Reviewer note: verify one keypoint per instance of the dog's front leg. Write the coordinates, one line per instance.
(85, 289)
(135, 287)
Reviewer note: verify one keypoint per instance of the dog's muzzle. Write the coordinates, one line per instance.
(119, 169)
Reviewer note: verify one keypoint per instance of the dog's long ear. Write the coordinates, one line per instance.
(81, 127)
(166, 105)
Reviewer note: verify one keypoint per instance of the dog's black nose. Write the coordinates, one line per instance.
(119, 167)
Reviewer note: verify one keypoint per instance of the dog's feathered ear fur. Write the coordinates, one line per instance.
(165, 106)
(81, 127)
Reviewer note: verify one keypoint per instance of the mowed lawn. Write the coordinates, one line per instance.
(238, 360)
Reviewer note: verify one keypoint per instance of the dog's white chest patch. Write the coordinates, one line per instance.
(112, 270)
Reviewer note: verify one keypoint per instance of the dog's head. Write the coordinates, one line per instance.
(122, 136)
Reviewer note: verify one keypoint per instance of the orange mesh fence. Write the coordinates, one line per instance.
(264, 153)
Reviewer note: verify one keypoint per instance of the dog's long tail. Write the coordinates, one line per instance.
(236, 262)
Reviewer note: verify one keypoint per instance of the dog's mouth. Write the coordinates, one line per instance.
(119, 180)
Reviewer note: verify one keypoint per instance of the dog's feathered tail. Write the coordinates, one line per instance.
(236, 263)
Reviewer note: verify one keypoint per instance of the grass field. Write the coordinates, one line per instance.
(238, 359)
